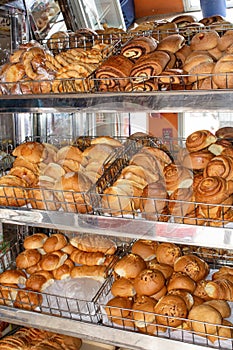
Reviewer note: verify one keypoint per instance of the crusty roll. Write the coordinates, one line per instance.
(205, 40)
(149, 282)
(39, 281)
(56, 241)
(220, 166)
(35, 241)
(69, 152)
(12, 191)
(27, 258)
(87, 258)
(221, 305)
(94, 243)
(31, 150)
(145, 248)
(170, 309)
(180, 280)
(118, 308)
(193, 266)
(116, 201)
(123, 287)
(184, 294)
(140, 175)
(197, 160)
(167, 253)
(97, 272)
(8, 293)
(107, 140)
(167, 270)
(177, 176)
(42, 198)
(172, 43)
(24, 173)
(207, 318)
(129, 266)
(63, 271)
(223, 72)
(52, 261)
(68, 249)
(27, 300)
(199, 140)
(143, 311)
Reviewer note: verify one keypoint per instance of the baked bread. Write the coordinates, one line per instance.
(118, 308)
(193, 266)
(200, 290)
(27, 258)
(96, 272)
(129, 266)
(154, 199)
(207, 318)
(123, 287)
(87, 258)
(149, 282)
(39, 281)
(176, 176)
(94, 243)
(172, 43)
(31, 150)
(220, 166)
(180, 280)
(27, 300)
(197, 160)
(145, 248)
(221, 305)
(170, 310)
(17, 277)
(199, 140)
(52, 261)
(35, 241)
(167, 253)
(138, 46)
(143, 311)
(205, 40)
(56, 241)
(63, 271)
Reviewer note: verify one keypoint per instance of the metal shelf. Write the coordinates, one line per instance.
(215, 237)
(99, 333)
(162, 101)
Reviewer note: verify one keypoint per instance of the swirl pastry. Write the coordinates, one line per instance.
(199, 140)
(113, 73)
(220, 166)
(176, 176)
(220, 289)
(139, 46)
(181, 203)
(149, 65)
(147, 85)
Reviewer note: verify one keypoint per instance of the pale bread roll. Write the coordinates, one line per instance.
(94, 243)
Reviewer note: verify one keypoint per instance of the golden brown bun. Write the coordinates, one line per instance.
(201, 71)
(97, 272)
(118, 308)
(107, 140)
(167, 270)
(23, 162)
(220, 289)
(87, 258)
(138, 46)
(39, 281)
(180, 280)
(170, 305)
(94, 243)
(193, 266)
(139, 175)
(225, 40)
(204, 40)
(52, 261)
(35, 241)
(116, 201)
(172, 43)
(42, 199)
(69, 152)
(207, 317)
(223, 65)
(129, 266)
(143, 311)
(27, 300)
(221, 305)
(56, 241)
(219, 146)
(187, 296)
(145, 248)
(160, 293)
(167, 253)
(162, 156)
(149, 282)
(197, 160)
(68, 249)
(222, 271)
(145, 160)
(199, 140)
(220, 166)
(200, 290)
(7, 293)
(64, 270)
(31, 150)
(223, 332)
(98, 152)
(196, 58)
(35, 268)
(177, 176)
(123, 287)
(197, 300)
(27, 258)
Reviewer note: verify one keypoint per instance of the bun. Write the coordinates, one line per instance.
(118, 308)
(139, 46)
(222, 306)
(167, 270)
(63, 271)
(207, 319)
(204, 40)
(27, 300)
(154, 199)
(199, 140)
(123, 287)
(180, 280)
(181, 203)
(94, 243)
(226, 132)
(149, 282)
(143, 311)
(56, 241)
(35, 241)
(52, 261)
(172, 43)
(31, 150)
(39, 281)
(96, 272)
(27, 258)
(87, 258)
(197, 160)
(200, 290)
(176, 176)
(170, 309)
(167, 253)
(68, 249)
(193, 266)
(220, 289)
(145, 248)
(11, 195)
(107, 140)
(129, 266)
(220, 166)
(8, 293)
(220, 146)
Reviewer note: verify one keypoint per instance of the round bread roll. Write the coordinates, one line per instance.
(27, 258)
(193, 266)
(221, 305)
(130, 266)
(94, 243)
(187, 296)
(172, 43)
(52, 261)
(167, 253)
(56, 241)
(24, 173)
(226, 132)
(123, 287)
(220, 166)
(27, 300)
(145, 248)
(143, 311)
(194, 60)
(222, 71)
(53, 170)
(170, 310)
(8, 293)
(180, 280)
(204, 40)
(197, 160)
(176, 176)
(149, 282)
(167, 270)
(207, 317)
(200, 290)
(118, 308)
(35, 241)
(31, 150)
(199, 140)
(39, 281)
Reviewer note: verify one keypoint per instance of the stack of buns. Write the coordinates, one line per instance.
(55, 257)
(157, 286)
(25, 338)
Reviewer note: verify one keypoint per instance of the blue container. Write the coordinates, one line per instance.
(127, 7)
(213, 7)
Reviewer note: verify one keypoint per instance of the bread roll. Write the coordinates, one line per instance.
(52, 261)
(97, 272)
(87, 258)
(221, 305)
(27, 258)
(172, 43)
(167, 270)
(39, 281)
(63, 271)
(35, 241)
(145, 248)
(118, 308)
(200, 290)
(220, 166)
(107, 140)
(94, 243)
(207, 318)
(220, 289)
(154, 199)
(27, 300)
(197, 160)
(149, 282)
(176, 176)
(167, 253)
(123, 287)
(56, 241)
(42, 198)
(24, 173)
(199, 140)
(31, 150)
(180, 280)
(170, 310)
(12, 191)
(115, 201)
(226, 132)
(143, 311)
(219, 146)
(204, 40)
(129, 266)
(193, 266)
(8, 293)
(181, 203)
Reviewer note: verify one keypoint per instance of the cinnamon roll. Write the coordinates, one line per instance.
(181, 203)
(139, 46)
(220, 166)
(199, 140)
(176, 176)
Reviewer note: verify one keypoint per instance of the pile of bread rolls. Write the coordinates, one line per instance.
(49, 258)
(193, 186)
(49, 178)
(156, 287)
(25, 338)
